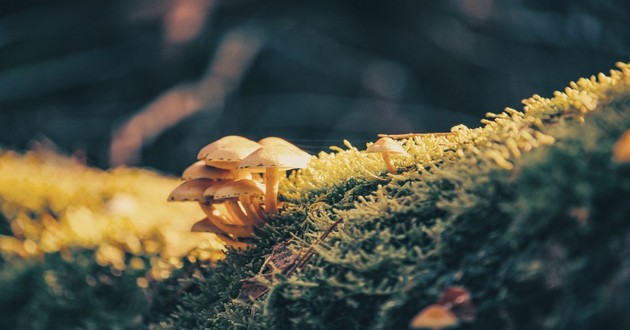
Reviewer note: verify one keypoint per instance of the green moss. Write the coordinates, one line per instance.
(528, 212)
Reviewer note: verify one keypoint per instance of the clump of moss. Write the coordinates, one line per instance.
(85, 248)
(528, 212)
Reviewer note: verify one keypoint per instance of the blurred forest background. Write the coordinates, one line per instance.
(149, 82)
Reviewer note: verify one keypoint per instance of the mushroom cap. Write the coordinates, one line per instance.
(227, 151)
(386, 144)
(206, 226)
(281, 157)
(208, 194)
(199, 170)
(434, 317)
(238, 188)
(273, 140)
(190, 190)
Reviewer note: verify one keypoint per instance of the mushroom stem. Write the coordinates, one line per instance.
(241, 174)
(221, 222)
(256, 205)
(237, 213)
(272, 179)
(246, 201)
(388, 162)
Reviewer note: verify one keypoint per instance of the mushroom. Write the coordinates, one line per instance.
(434, 317)
(219, 215)
(227, 152)
(193, 190)
(273, 158)
(273, 140)
(243, 193)
(190, 190)
(199, 170)
(457, 299)
(621, 149)
(236, 197)
(207, 226)
(386, 147)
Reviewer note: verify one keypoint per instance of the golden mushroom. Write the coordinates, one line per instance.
(227, 152)
(237, 197)
(243, 193)
(226, 215)
(435, 317)
(191, 190)
(386, 147)
(199, 170)
(207, 226)
(273, 140)
(272, 159)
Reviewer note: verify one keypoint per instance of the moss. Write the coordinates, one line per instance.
(522, 211)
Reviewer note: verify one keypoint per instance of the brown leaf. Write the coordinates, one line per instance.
(251, 288)
(282, 258)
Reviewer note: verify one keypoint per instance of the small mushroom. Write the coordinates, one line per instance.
(621, 149)
(199, 170)
(272, 159)
(190, 190)
(236, 196)
(434, 317)
(273, 140)
(219, 215)
(386, 147)
(207, 226)
(244, 193)
(227, 152)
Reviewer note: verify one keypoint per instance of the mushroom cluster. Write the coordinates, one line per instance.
(227, 184)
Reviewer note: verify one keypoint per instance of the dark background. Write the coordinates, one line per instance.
(149, 82)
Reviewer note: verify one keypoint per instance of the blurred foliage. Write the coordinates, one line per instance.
(74, 71)
(528, 212)
(81, 245)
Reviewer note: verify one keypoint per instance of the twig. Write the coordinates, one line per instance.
(411, 135)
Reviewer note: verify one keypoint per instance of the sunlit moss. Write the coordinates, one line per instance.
(467, 208)
(53, 203)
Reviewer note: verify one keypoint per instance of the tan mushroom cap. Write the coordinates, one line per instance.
(209, 193)
(191, 190)
(228, 151)
(434, 317)
(386, 144)
(273, 140)
(238, 188)
(271, 159)
(199, 170)
(276, 156)
(206, 226)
